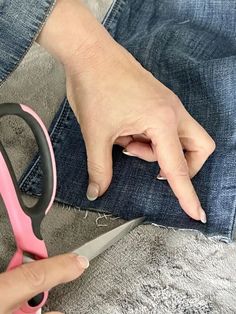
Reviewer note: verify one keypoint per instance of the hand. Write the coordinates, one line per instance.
(115, 101)
(118, 102)
(21, 284)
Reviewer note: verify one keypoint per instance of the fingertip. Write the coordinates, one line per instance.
(140, 150)
(99, 166)
(93, 191)
(191, 207)
(126, 152)
(203, 216)
(83, 261)
(161, 176)
(98, 186)
(198, 215)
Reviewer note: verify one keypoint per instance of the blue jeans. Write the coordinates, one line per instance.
(20, 24)
(190, 46)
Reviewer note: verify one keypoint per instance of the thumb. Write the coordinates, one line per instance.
(24, 282)
(99, 164)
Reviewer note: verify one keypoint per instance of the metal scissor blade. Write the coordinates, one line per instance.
(98, 245)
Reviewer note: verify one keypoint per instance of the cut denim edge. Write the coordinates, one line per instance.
(211, 236)
(216, 237)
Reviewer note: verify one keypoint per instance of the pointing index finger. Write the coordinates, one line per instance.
(171, 159)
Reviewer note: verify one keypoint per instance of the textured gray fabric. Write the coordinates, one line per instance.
(152, 270)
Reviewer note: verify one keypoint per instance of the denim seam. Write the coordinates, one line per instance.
(56, 129)
(115, 12)
(109, 12)
(35, 35)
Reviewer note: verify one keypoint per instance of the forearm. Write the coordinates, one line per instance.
(73, 33)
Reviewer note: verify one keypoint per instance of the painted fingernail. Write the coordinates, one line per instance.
(203, 217)
(128, 153)
(93, 191)
(84, 262)
(161, 178)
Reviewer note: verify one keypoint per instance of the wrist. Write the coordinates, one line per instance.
(72, 34)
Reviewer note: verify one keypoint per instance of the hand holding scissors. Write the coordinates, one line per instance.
(26, 281)
(26, 221)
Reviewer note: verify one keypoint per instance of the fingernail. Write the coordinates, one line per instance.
(159, 177)
(203, 217)
(84, 262)
(93, 191)
(128, 153)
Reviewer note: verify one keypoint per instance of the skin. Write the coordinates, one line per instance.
(23, 283)
(116, 101)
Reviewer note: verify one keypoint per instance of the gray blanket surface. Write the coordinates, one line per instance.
(153, 269)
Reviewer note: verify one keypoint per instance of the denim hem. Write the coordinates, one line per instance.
(112, 16)
(21, 22)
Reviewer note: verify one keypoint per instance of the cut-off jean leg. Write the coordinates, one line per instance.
(189, 45)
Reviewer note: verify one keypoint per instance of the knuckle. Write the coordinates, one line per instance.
(69, 262)
(95, 168)
(167, 120)
(167, 113)
(180, 169)
(174, 99)
(208, 148)
(32, 275)
(167, 117)
(211, 146)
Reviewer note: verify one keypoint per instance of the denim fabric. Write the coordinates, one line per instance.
(20, 23)
(189, 45)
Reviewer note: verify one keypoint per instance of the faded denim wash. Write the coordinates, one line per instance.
(190, 46)
(20, 23)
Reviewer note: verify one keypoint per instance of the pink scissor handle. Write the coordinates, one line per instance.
(26, 221)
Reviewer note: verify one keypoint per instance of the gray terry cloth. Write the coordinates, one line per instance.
(153, 269)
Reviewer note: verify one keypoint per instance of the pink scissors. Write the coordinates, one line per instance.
(26, 221)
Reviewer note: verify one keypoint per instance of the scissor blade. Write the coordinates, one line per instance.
(98, 245)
